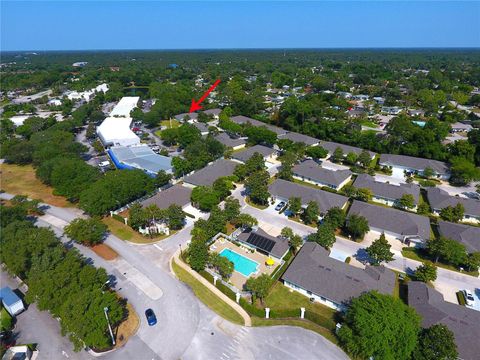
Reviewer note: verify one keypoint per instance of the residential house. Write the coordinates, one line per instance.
(258, 239)
(464, 234)
(379, 100)
(439, 199)
(410, 228)
(385, 193)
(460, 127)
(332, 282)
(203, 128)
(462, 321)
(309, 171)
(213, 112)
(269, 154)
(300, 138)
(210, 173)
(235, 144)
(174, 195)
(332, 146)
(186, 117)
(391, 110)
(416, 112)
(283, 190)
(242, 120)
(401, 164)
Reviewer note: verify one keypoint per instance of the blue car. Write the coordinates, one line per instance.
(151, 318)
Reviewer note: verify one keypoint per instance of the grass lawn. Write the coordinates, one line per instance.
(21, 180)
(6, 321)
(281, 298)
(125, 232)
(256, 321)
(208, 297)
(369, 123)
(127, 328)
(416, 254)
(249, 202)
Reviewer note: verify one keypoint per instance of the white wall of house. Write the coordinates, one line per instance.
(467, 218)
(322, 300)
(388, 202)
(400, 169)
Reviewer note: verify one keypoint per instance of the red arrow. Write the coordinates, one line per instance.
(196, 104)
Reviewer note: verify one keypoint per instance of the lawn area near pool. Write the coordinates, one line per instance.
(21, 180)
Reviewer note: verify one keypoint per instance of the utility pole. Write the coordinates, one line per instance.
(105, 309)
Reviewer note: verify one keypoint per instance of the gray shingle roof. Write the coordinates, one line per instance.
(325, 200)
(313, 270)
(332, 146)
(440, 199)
(246, 154)
(280, 246)
(203, 128)
(462, 321)
(299, 138)
(191, 116)
(393, 220)
(212, 172)
(384, 190)
(465, 234)
(311, 170)
(213, 111)
(228, 141)
(240, 119)
(410, 162)
(177, 194)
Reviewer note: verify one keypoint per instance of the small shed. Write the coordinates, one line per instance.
(12, 303)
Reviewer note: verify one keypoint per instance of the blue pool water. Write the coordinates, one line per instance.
(243, 265)
(420, 123)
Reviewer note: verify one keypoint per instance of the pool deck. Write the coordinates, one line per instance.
(237, 279)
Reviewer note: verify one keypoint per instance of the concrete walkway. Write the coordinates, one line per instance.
(212, 288)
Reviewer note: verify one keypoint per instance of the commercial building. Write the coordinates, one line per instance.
(309, 171)
(410, 228)
(385, 193)
(115, 129)
(332, 282)
(139, 157)
(413, 165)
(462, 321)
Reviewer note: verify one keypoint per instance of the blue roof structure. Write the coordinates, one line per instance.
(139, 157)
(8, 296)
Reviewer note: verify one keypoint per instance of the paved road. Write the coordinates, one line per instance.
(186, 329)
(448, 282)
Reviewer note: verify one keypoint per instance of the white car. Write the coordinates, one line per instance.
(469, 299)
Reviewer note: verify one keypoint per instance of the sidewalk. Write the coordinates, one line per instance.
(211, 287)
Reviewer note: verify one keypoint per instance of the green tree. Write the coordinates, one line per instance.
(259, 286)
(162, 178)
(436, 343)
(463, 171)
(294, 205)
(311, 213)
(357, 226)
(175, 217)
(428, 172)
(260, 135)
(86, 231)
(197, 255)
(364, 159)
(223, 186)
(407, 201)
(379, 326)
(351, 158)
(335, 217)
(316, 152)
(257, 185)
(423, 209)
(223, 266)
(324, 236)
(364, 194)
(244, 220)
(205, 197)
(473, 261)
(379, 251)
(338, 155)
(426, 272)
(231, 208)
(453, 213)
(295, 242)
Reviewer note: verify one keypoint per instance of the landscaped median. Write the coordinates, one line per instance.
(284, 304)
(125, 232)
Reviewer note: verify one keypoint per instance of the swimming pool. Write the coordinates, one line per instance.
(243, 265)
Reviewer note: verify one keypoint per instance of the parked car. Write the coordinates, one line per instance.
(151, 318)
(469, 299)
(280, 206)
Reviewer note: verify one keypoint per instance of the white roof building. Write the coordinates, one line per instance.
(88, 94)
(115, 129)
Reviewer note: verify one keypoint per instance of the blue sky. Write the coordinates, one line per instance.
(71, 25)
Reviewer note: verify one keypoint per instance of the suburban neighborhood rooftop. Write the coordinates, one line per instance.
(212, 172)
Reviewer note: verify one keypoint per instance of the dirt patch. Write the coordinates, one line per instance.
(105, 251)
(128, 328)
(21, 180)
